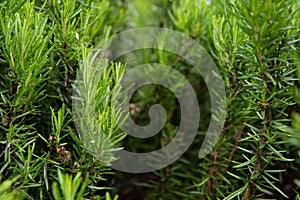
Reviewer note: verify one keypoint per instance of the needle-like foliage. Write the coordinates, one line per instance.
(59, 99)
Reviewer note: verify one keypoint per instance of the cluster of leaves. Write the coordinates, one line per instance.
(43, 44)
(256, 42)
(253, 44)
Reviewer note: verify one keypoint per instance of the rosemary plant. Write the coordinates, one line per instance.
(58, 118)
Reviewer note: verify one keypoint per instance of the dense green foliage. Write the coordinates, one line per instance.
(44, 44)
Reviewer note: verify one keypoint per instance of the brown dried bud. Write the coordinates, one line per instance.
(76, 164)
(66, 157)
(6, 120)
(61, 150)
(52, 138)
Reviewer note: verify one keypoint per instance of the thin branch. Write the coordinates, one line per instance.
(261, 142)
(237, 139)
(214, 161)
(180, 57)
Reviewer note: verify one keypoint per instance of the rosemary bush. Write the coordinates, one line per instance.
(45, 44)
